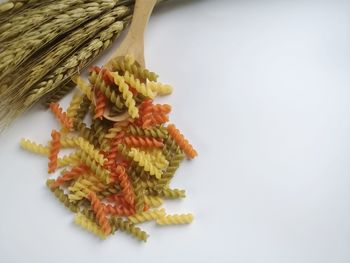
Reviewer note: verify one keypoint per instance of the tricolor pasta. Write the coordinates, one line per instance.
(119, 172)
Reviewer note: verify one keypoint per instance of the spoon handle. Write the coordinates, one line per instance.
(133, 43)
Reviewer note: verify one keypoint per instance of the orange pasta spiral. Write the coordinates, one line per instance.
(54, 149)
(61, 115)
(100, 104)
(153, 119)
(119, 210)
(67, 176)
(100, 213)
(113, 153)
(181, 141)
(118, 199)
(138, 141)
(125, 184)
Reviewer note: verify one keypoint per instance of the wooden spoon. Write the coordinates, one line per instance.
(133, 44)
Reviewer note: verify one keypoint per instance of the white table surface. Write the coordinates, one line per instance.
(262, 89)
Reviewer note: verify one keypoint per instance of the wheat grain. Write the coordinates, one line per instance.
(31, 41)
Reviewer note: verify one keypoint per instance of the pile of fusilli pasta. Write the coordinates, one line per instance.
(119, 171)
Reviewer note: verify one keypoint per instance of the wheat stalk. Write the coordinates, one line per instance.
(69, 68)
(9, 8)
(63, 49)
(31, 41)
(30, 18)
(78, 61)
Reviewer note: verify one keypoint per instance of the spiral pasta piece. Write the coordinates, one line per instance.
(175, 219)
(153, 119)
(136, 141)
(142, 88)
(181, 141)
(34, 147)
(147, 216)
(67, 176)
(82, 110)
(61, 116)
(94, 166)
(119, 210)
(170, 148)
(172, 193)
(61, 196)
(147, 107)
(127, 95)
(100, 213)
(125, 184)
(100, 105)
(158, 159)
(89, 225)
(130, 66)
(68, 142)
(174, 164)
(116, 129)
(55, 147)
(130, 228)
(153, 201)
(70, 159)
(74, 105)
(90, 150)
(83, 186)
(156, 132)
(143, 160)
(84, 87)
(98, 81)
(135, 174)
(160, 89)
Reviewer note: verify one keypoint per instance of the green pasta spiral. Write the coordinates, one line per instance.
(156, 132)
(83, 109)
(129, 227)
(174, 164)
(62, 197)
(172, 193)
(135, 173)
(95, 167)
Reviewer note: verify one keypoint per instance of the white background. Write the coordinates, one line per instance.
(262, 89)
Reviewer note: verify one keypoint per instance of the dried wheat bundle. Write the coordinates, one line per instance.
(44, 43)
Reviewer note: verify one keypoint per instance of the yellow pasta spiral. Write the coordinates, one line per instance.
(143, 159)
(145, 90)
(34, 147)
(127, 95)
(98, 81)
(153, 201)
(147, 216)
(102, 173)
(159, 88)
(128, 64)
(88, 148)
(84, 87)
(68, 142)
(74, 105)
(89, 225)
(70, 159)
(175, 219)
(158, 159)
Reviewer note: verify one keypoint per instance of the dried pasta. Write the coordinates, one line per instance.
(100, 213)
(116, 174)
(89, 225)
(181, 141)
(61, 116)
(54, 149)
(175, 219)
